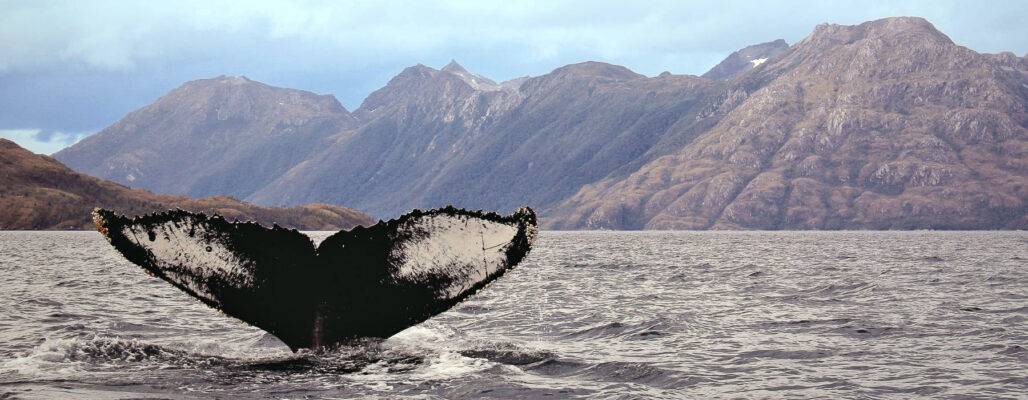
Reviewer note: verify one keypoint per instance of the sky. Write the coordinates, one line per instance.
(71, 68)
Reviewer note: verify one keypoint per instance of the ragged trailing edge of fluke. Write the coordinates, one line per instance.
(102, 215)
(524, 215)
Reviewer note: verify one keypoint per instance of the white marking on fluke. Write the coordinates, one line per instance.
(446, 245)
(191, 260)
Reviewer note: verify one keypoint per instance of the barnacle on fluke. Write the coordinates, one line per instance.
(366, 282)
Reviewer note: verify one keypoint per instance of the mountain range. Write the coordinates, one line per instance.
(39, 193)
(882, 125)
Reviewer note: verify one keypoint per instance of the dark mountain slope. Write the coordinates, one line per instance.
(430, 138)
(225, 136)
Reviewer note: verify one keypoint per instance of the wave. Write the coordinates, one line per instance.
(509, 354)
(650, 329)
(106, 350)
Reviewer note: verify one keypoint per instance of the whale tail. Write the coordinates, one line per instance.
(365, 282)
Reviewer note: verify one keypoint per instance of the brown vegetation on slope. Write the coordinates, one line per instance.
(39, 193)
(883, 125)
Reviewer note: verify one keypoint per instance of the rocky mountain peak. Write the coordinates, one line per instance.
(419, 75)
(7, 144)
(420, 85)
(232, 80)
(235, 121)
(242, 97)
(905, 25)
(889, 48)
(454, 67)
(745, 59)
(474, 80)
(415, 71)
(896, 30)
(596, 69)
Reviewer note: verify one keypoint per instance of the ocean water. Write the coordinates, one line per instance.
(587, 315)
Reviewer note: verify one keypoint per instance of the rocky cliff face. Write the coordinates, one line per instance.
(883, 125)
(887, 124)
(226, 135)
(39, 193)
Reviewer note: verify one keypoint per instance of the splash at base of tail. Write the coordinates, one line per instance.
(365, 282)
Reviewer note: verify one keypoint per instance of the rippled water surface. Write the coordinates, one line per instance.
(588, 314)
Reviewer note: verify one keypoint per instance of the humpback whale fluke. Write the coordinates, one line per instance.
(366, 282)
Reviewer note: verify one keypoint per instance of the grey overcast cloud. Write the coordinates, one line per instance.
(70, 68)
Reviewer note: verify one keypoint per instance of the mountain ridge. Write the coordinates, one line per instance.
(440, 140)
(598, 146)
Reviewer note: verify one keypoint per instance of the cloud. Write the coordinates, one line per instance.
(41, 141)
(125, 35)
(76, 65)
